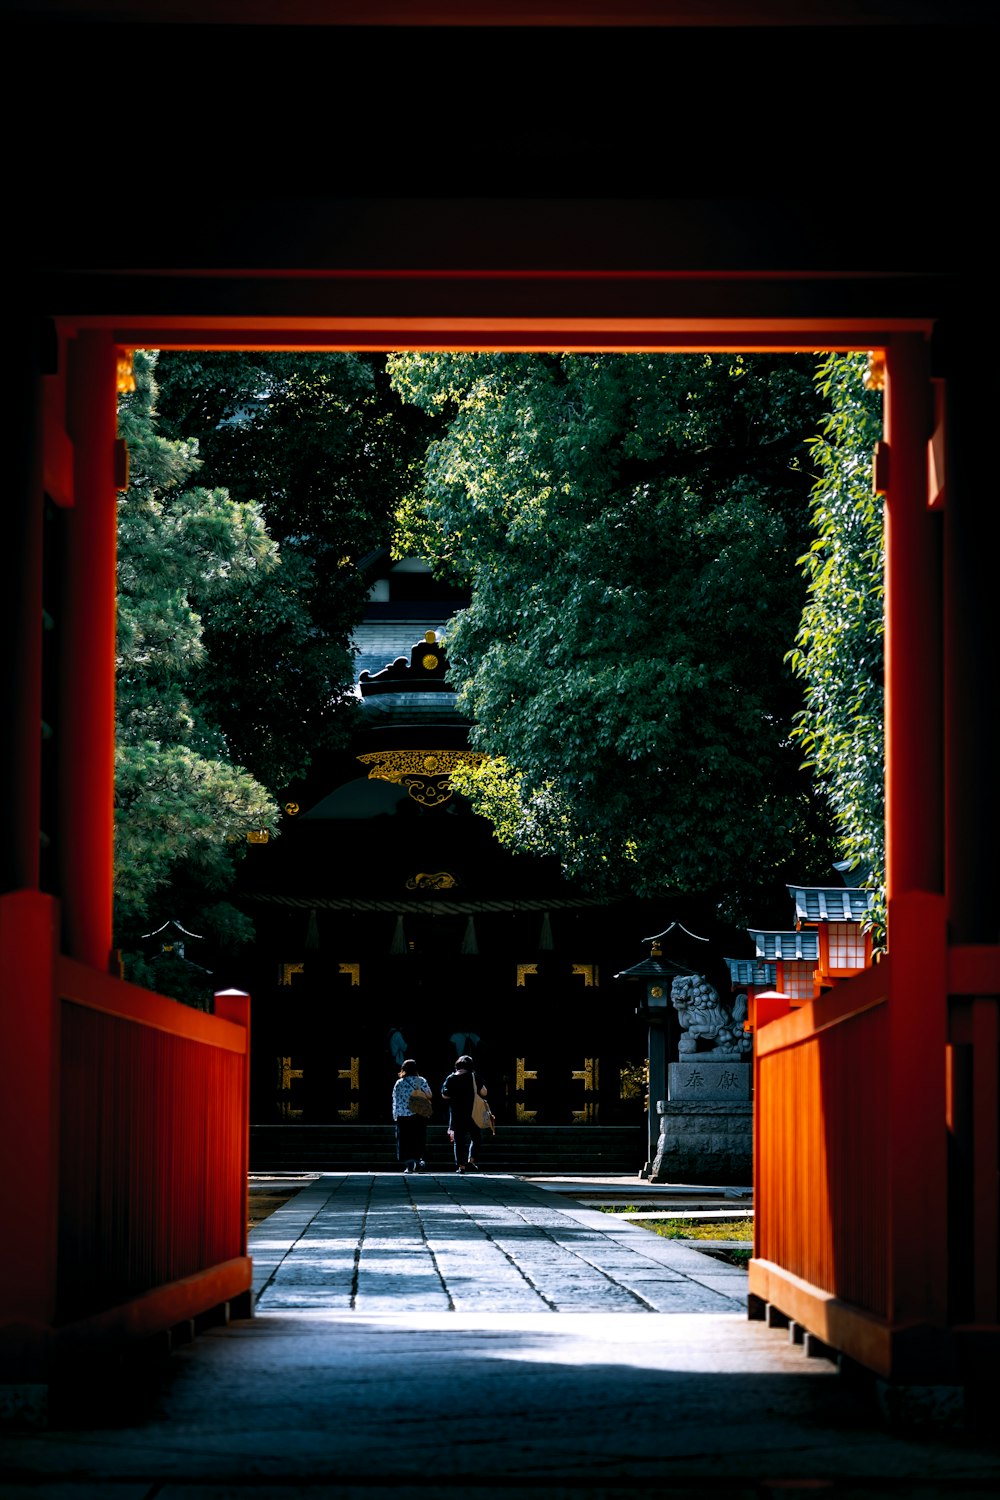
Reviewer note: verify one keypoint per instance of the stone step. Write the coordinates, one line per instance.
(514, 1148)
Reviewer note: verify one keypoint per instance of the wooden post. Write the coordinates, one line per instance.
(87, 693)
(21, 612)
(918, 1264)
(29, 1116)
(234, 1005)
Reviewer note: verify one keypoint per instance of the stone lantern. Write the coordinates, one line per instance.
(656, 975)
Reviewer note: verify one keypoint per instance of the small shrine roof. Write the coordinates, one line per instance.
(835, 903)
(787, 945)
(751, 971)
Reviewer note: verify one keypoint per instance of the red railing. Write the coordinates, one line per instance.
(822, 1156)
(131, 1116)
(152, 1185)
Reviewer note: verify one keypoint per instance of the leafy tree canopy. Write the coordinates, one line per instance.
(182, 807)
(629, 527)
(324, 449)
(838, 647)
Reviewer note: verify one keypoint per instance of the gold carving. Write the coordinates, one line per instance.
(587, 1075)
(587, 1115)
(258, 836)
(286, 972)
(522, 1074)
(430, 636)
(353, 969)
(351, 1112)
(522, 971)
(426, 774)
(443, 880)
(286, 1076)
(429, 661)
(656, 991)
(351, 1073)
(524, 1116)
(291, 808)
(286, 1073)
(588, 973)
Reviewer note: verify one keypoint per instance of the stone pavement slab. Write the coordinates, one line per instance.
(492, 1243)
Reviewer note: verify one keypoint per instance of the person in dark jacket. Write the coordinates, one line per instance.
(459, 1088)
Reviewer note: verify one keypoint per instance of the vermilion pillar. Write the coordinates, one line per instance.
(21, 613)
(914, 858)
(914, 732)
(87, 691)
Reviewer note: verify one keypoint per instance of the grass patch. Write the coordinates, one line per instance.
(693, 1229)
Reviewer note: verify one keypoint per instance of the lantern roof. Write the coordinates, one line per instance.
(656, 968)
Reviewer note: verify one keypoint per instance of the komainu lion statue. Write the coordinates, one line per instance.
(705, 1020)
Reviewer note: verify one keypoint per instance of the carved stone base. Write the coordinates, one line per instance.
(704, 1141)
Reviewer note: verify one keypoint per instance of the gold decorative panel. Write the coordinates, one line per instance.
(286, 972)
(587, 1075)
(523, 970)
(353, 969)
(352, 1073)
(286, 1073)
(523, 1075)
(588, 973)
(350, 1113)
(286, 1076)
(258, 836)
(524, 1116)
(441, 880)
(426, 774)
(588, 1115)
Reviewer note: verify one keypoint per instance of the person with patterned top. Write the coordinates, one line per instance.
(411, 1128)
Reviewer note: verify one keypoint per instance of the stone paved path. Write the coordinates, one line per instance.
(445, 1338)
(427, 1244)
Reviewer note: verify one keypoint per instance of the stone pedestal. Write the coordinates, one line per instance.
(706, 1124)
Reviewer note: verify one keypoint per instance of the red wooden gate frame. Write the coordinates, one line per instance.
(940, 643)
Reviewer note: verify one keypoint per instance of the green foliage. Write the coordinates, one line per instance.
(628, 526)
(838, 646)
(325, 450)
(182, 807)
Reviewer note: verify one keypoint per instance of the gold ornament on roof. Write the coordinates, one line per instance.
(426, 774)
(429, 661)
(441, 880)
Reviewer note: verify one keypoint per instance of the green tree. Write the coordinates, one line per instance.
(838, 647)
(183, 808)
(323, 446)
(629, 528)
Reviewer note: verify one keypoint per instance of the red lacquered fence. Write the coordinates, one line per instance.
(152, 1184)
(877, 1157)
(128, 1190)
(821, 1144)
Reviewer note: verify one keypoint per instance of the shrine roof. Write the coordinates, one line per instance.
(836, 903)
(787, 945)
(751, 971)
